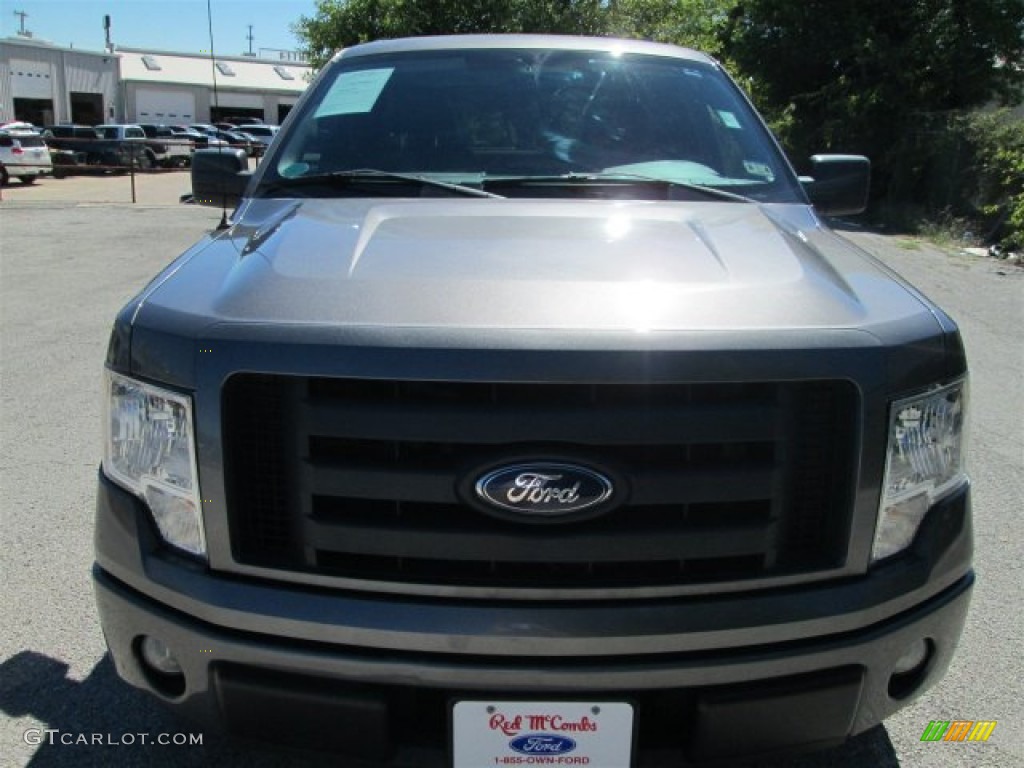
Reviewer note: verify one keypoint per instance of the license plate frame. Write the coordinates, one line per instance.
(494, 733)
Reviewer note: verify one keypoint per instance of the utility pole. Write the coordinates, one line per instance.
(22, 32)
(250, 38)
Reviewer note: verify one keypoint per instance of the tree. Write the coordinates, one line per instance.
(341, 23)
(692, 23)
(865, 75)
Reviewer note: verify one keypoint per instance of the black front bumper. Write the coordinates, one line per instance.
(268, 678)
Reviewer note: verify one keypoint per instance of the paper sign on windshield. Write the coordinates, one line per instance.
(354, 93)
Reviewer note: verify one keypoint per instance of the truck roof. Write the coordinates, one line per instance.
(560, 42)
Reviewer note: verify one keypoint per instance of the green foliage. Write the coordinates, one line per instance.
(997, 140)
(960, 176)
(341, 23)
(857, 75)
(692, 23)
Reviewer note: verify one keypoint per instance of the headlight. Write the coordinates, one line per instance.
(925, 460)
(150, 450)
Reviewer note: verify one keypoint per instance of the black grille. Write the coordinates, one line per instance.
(360, 479)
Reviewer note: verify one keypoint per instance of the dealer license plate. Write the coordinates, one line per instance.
(489, 734)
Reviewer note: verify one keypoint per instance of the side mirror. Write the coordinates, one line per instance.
(219, 176)
(838, 185)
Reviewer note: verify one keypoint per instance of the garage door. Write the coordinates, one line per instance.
(171, 107)
(31, 80)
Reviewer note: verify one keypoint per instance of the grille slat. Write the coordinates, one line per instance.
(480, 424)
(381, 483)
(527, 547)
(373, 480)
(696, 486)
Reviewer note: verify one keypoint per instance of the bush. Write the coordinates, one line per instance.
(997, 140)
(957, 173)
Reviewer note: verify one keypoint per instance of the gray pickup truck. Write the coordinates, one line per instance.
(526, 411)
(83, 148)
(170, 150)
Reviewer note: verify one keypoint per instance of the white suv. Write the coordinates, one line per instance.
(24, 155)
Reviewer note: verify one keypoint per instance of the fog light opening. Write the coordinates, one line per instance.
(161, 667)
(911, 669)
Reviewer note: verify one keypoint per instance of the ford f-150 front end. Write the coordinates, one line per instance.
(527, 409)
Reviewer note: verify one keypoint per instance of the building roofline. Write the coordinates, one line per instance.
(202, 55)
(49, 46)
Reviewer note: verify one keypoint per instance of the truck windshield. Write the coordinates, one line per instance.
(477, 117)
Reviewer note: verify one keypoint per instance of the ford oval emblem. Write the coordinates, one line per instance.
(544, 490)
(542, 744)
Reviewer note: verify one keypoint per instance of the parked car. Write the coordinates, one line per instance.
(230, 138)
(528, 411)
(71, 148)
(23, 156)
(20, 125)
(256, 148)
(200, 139)
(68, 135)
(261, 134)
(239, 140)
(231, 122)
(171, 151)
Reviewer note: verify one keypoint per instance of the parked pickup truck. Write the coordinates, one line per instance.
(84, 148)
(527, 410)
(133, 143)
(171, 151)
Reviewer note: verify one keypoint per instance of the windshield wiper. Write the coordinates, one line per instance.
(356, 175)
(621, 178)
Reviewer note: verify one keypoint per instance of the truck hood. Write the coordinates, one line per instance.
(535, 264)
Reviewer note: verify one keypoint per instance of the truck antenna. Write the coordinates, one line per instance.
(216, 105)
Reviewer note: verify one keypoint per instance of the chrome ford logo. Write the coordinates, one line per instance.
(544, 490)
(542, 744)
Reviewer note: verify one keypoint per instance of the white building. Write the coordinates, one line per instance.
(177, 88)
(44, 84)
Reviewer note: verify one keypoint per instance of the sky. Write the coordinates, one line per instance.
(171, 25)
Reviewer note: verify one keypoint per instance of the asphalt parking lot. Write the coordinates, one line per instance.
(72, 251)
